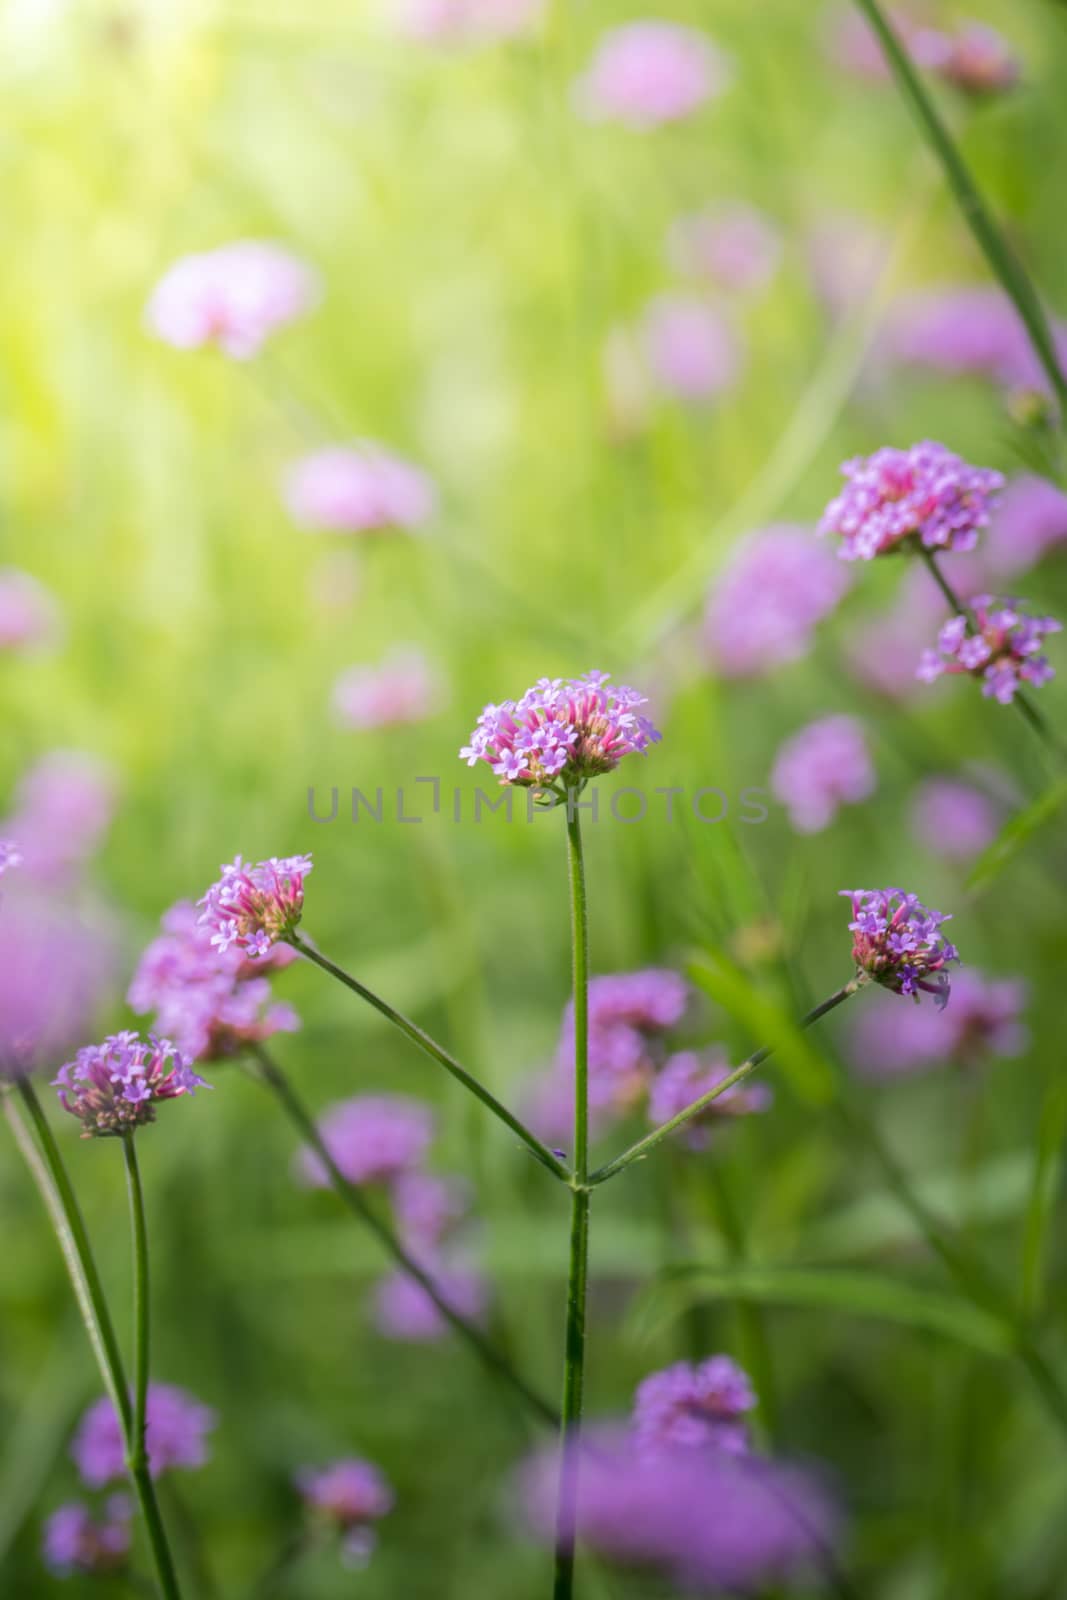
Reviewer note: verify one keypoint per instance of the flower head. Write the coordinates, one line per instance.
(685, 1078)
(647, 73)
(115, 1086)
(562, 732)
(1003, 650)
(954, 818)
(252, 907)
(824, 766)
(358, 489)
(348, 1496)
(964, 329)
(692, 349)
(404, 1311)
(401, 690)
(763, 609)
(176, 1436)
(925, 495)
(978, 60)
(733, 247)
(63, 808)
(898, 942)
(29, 616)
(77, 1542)
(1031, 520)
(428, 1207)
(984, 1021)
(55, 971)
(372, 1139)
(233, 297)
(695, 1405)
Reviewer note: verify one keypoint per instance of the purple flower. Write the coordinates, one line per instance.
(428, 1207)
(686, 1077)
(404, 1311)
(898, 942)
(233, 297)
(953, 818)
(695, 1406)
(348, 1497)
(114, 1086)
(176, 1436)
(55, 970)
(1004, 649)
(253, 907)
(644, 74)
(854, 46)
(763, 608)
(358, 488)
(469, 22)
(372, 1139)
(978, 60)
(562, 732)
(401, 690)
(77, 1542)
(983, 1021)
(966, 329)
(925, 494)
(1030, 521)
(29, 616)
(822, 767)
(63, 808)
(10, 856)
(733, 247)
(692, 350)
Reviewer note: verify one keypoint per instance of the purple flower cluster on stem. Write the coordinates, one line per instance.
(897, 941)
(115, 1086)
(925, 495)
(1002, 649)
(253, 907)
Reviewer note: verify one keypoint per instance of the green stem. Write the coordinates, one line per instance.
(638, 1151)
(273, 1078)
(1013, 277)
(438, 1054)
(578, 1273)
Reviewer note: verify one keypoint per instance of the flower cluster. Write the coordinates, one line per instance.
(175, 1436)
(252, 907)
(401, 690)
(966, 329)
(763, 608)
(691, 349)
(686, 1077)
(695, 1405)
(562, 732)
(76, 1542)
(372, 1139)
(898, 942)
(647, 73)
(955, 819)
(233, 297)
(115, 1086)
(925, 494)
(824, 766)
(984, 1021)
(347, 1498)
(357, 489)
(1003, 648)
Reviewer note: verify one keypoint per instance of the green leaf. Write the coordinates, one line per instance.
(1015, 834)
(795, 1055)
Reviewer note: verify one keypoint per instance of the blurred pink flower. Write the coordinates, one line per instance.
(233, 297)
(965, 329)
(983, 1019)
(1030, 520)
(63, 808)
(821, 768)
(692, 349)
(956, 820)
(401, 689)
(468, 22)
(358, 488)
(403, 1310)
(978, 60)
(687, 1076)
(57, 967)
(731, 246)
(651, 72)
(29, 615)
(371, 1139)
(853, 45)
(763, 609)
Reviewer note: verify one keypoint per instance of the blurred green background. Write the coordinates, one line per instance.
(477, 244)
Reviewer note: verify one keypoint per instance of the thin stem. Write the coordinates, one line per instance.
(578, 1274)
(439, 1054)
(1013, 276)
(272, 1077)
(638, 1151)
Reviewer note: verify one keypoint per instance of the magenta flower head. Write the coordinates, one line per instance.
(29, 616)
(348, 1497)
(233, 297)
(176, 1436)
(562, 732)
(645, 74)
(824, 766)
(695, 1405)
(114, 1087)
(898, 942)
(373, 1138)
(76, 1542)
(253, 907)
(900, 498)
(358, 488)
(686, 1077)
(1004, 650)
(763, 609)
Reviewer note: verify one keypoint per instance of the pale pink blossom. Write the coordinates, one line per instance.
(233, 297)
(357, 488)
(400, 689)
(731, 246)
(647, 73)
(693, 350)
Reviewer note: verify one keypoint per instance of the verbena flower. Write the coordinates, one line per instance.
(822, 767)
(404, 1311)
(115, 1086)
(692, 1404)
(562, 732)
(29, 615)
(402, 689)
(648, 73)
(1004, 649)
(731, 246)
(252, 907)
(373, 1138)
(348, 1497)
(64, 806)
(77, 1542)
(984, 1021)
(923, 495)
(693, 350)
(176, 1436)
(898, 942)
(358, 488)
(233, 297)
(1030, 521)
(686, 1077)
(763, 608)
(56, 969)
(955, 819)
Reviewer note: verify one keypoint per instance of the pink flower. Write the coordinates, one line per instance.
(685, 1078)
(762, 610)
(954, 819)
(694, 1406)
(55, 972)
(403, 1310)
(371, 1139)
(176, 1436)
(925, 495)
(732, 246)
(692, 350)
(984, 1019)
(402, 689)
(966, 329)
(77, 1542)
(349, 1496)
(978, 60)
(115, 1086)
(29, 615)
(10, 856)
(644, 74)
(253, 907)
(64, 806)
(1030, 521)
(358, 488)
(233, 297)
(822, 767)
(897, 942)
(1003, 649)
(468, 22)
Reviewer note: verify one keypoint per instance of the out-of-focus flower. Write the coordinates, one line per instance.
(732, 246)
(233, 297)
(63, 808)
(402, 689)
(562, 732)
(966, 329)
(824, 766)
(349, 1497)
(924, 494)
(403, 1310)
(358, 488)
(684, 1078)
(1030, 520)
(695, 1405)
(372, 1139)
(115, 1086)
(55, 969)
(881, 650)
(77, 1542)
(468, 22)
(647, 73)
(692, 350)
(763, 608)
(427, 1207)
(10, 856)
(983, 1020)
(1004, 651)
(29, 615)
(955, 819)
(176, 1436)
(854, 46)
(252, 907)
(898, 942)
(978, 60)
